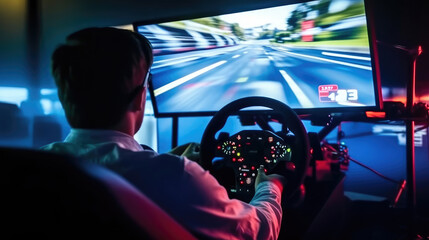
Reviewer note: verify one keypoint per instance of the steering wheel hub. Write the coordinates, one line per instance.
(247, 150)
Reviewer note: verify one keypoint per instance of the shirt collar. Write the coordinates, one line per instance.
(96, 136)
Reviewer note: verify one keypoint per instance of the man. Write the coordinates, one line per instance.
(102, 75)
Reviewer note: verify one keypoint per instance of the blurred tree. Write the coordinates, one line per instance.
(237, 30)
(327, 19)
(204, 21)
(282, 36)
(266, 34)
(296, 17)
(217, 22)
(322, 7)
(292, 21)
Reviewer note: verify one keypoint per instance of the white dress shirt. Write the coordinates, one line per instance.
(187, 192)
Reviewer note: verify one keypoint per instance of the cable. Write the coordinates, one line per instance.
(331, 148)
(374, 171)
(402, 184)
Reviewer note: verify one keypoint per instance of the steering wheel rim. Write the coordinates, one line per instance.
(301, 145)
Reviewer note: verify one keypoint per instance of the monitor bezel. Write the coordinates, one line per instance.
(369, 14)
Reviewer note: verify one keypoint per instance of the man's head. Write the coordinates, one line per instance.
(99, 73)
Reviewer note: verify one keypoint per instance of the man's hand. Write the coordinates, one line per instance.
(189, 150)
(279, 180)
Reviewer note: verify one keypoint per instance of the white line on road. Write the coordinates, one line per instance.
(186, 78)
(236, 56)
(346, 56)
(280, 48)
(269, 56)
(331, 61)
(242, 79)
(300, 95)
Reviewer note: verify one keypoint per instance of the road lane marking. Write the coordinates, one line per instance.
(269, 56)
(280, 48)
(346, 56)
(331, 61)
(300, 95)
(186, 78)
(242, 79)
(236, 56)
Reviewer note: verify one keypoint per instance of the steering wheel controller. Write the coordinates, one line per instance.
(245, 151)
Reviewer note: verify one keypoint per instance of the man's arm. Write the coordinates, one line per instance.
(188, 150)
(210, 212)
(267, 199)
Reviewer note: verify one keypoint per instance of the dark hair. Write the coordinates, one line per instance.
(93, 71)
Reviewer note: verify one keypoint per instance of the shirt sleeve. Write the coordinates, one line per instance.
(212, 214)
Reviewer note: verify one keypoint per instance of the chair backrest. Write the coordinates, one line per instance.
(55, 196)
(13, 124)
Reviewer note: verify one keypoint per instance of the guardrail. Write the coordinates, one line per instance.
(168, 40)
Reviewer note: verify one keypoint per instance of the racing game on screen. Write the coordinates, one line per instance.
(308, 55)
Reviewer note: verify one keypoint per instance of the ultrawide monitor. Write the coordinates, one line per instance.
(312, 56)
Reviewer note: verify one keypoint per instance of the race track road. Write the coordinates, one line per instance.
(207, 80)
